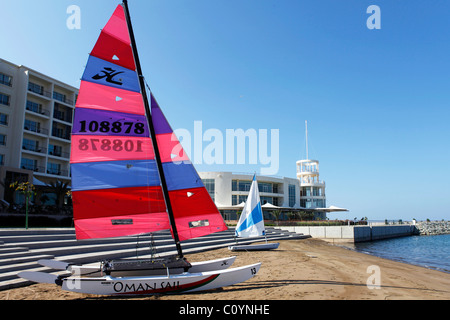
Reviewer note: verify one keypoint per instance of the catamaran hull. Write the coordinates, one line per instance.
(254, 247)
(94, 270)
(186, 282)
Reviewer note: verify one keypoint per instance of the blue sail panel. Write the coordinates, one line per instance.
(181, 175)
(110, 74)
(114, 174)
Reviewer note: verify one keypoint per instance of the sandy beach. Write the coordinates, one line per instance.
(308, 269)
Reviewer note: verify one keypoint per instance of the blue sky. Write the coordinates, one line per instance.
(376, 101)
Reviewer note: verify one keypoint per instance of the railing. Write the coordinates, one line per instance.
(37, 130)
(58, 172)
(59, 154)
(40, 111)
(44, 93)
(34, 148)
(34, 168)
(63, 116)
(58, 134)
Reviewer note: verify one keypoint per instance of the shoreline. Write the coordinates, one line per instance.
(348, 247)
(307, 269)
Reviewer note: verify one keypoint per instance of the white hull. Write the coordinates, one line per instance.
(94, 270)
(180, 283)
(202, 266)
(254, 247)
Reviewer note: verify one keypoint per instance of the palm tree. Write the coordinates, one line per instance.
(60, 188)
(276, 214)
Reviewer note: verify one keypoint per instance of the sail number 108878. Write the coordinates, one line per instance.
(110, 145)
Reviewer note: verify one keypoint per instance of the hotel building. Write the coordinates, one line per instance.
(36, 114)
(306, 193)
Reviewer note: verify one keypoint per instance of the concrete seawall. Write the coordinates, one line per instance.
(354, 233)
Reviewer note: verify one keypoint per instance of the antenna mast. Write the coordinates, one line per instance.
(306, 127)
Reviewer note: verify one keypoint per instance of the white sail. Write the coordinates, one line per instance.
(251, 222)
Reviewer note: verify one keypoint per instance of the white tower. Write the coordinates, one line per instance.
(312, 190)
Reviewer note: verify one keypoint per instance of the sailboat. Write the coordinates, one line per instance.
(131, 176)
(251, 222)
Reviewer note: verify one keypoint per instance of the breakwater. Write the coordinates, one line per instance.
(354, 233)
(431, 228)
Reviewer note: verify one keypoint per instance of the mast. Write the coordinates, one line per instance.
(306, 127)
(152, 131)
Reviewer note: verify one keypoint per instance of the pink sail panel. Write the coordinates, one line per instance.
(89, 148)
(170, 148)
(117, 25)
(97, 96)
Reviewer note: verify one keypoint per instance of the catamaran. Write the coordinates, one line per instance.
(131, 176)
(251, 222)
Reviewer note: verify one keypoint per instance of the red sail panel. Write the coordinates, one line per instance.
(119, 212)
(107, 44)
(195, 213)
(110, 139)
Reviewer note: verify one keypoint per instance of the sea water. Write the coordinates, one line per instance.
(427, 251)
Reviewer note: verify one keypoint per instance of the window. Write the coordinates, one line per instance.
(5, 99)
(3, 119)
(31, 145)
(32, 126)
(6, 80)
(265, 187)
(33, 87)
(2, 159)
(306, 191)
(291, 195)
(59, 96)
(244, 185)
(234, 185)
(61, 131)
(317, 191)
(54, 168)
(34, 106)
(2, 140)
(54, 150)
(210, 186)
(29, 164)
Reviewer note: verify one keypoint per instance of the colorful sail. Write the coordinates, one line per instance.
(116, 184)
(194, 211)
(116, 189)
(251, 222)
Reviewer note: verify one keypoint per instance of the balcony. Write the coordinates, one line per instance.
(36, 129)
(40, 92)
(58, 172)
(32, 148)
(62, 115)
(62, 98)
(60, 154)
(60, 133)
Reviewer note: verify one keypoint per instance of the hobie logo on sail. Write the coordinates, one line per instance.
(109, 74)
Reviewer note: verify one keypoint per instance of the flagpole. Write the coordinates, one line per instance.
(152, 131)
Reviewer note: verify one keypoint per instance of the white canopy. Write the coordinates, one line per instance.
(331, 209)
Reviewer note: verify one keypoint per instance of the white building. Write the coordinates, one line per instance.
(304, 194)
(229, 190)
(36, 114)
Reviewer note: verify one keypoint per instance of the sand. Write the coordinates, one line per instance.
(307, 269)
